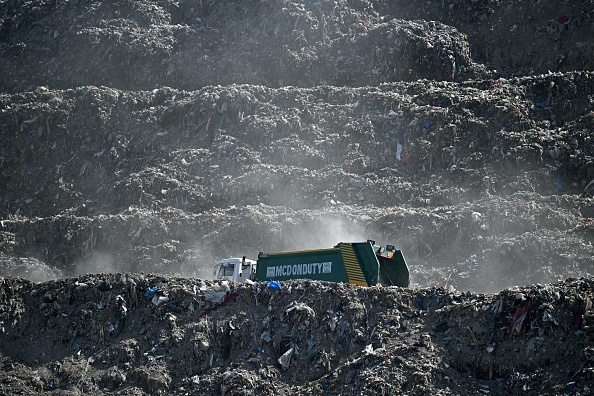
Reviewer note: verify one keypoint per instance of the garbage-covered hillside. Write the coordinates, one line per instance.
(135, 334)
(144, 141)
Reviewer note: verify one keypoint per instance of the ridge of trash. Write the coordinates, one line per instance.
(149, 333)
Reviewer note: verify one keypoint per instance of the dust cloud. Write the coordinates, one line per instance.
(99, 262)
(325, 232)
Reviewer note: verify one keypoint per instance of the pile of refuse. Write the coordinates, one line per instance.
(468, 179)
(142, 142)
(149, 334)
(140, 45)
(186, 45)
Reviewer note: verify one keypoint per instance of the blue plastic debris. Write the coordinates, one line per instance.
(422, 305)
(150, 292)
(273, 284)
(229, 158)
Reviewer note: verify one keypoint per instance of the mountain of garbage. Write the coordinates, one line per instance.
(144, 141)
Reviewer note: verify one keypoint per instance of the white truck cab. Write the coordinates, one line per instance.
(238, 269)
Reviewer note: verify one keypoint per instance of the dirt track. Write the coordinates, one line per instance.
(160, 137)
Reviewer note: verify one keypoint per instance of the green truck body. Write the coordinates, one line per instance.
(359, 263)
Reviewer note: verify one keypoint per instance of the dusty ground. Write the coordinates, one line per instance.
(158, 137)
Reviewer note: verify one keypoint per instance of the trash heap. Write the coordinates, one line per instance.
(143, 142)
(468, 179)
(196, 150)
(185, 45)
(188, 45)
(149, 334)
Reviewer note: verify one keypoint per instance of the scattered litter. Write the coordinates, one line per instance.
(273, 284)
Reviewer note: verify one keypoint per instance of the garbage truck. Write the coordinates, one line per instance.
(359, 263)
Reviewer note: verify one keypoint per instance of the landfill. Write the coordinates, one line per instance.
(141, 142)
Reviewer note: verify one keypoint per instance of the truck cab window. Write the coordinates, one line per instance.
(228, 270)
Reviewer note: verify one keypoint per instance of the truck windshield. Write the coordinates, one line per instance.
(228, 270)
